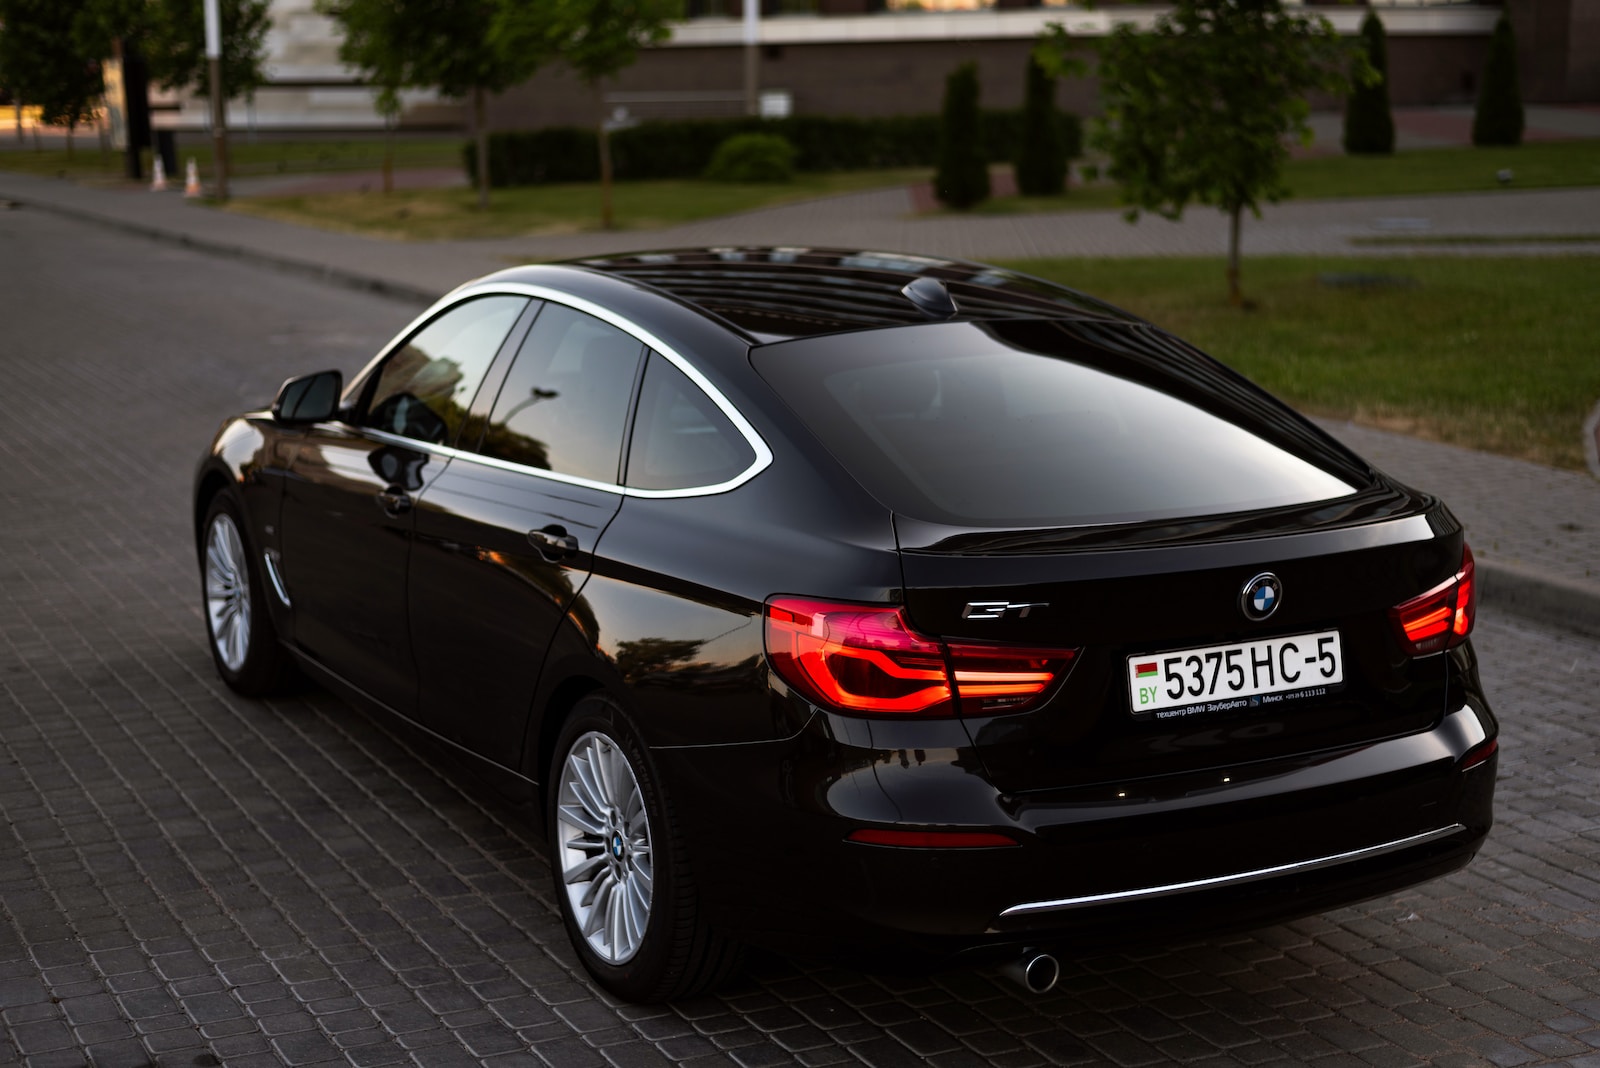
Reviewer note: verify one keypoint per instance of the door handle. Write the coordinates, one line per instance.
(394, 501)
(553, 542)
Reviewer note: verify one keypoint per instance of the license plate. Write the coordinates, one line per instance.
(1216, 678)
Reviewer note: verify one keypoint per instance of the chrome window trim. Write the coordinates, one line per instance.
(1145, 893)
(763, 455)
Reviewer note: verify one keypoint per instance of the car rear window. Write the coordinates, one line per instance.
(1005, 425)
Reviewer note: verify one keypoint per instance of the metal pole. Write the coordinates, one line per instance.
(219, 103)
(752, 38)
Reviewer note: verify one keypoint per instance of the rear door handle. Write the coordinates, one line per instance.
(553, 542)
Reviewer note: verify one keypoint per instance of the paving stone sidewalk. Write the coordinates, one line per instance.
(1536, 530)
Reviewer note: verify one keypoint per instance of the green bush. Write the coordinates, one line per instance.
(752, 157)
(963, 176)
(1498, 119)
(1368, 122)
(1040, 163)
(683, 148)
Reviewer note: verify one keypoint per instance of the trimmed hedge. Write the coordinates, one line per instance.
(962, 179)
(683, 148)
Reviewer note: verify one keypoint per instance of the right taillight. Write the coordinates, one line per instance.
(866, 660)
(1442, 617)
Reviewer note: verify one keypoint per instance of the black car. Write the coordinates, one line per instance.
(865, 604)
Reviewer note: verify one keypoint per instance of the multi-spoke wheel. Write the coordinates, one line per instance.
(227, 592)
(604, 847)
(622, 875)
(243, 642)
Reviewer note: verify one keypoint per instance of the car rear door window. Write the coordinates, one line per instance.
(426, 386)
(564, 404)
(681, 440)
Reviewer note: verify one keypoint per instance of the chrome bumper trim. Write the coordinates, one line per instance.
(1031, 907)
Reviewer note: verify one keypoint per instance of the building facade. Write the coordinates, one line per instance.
(889, 57)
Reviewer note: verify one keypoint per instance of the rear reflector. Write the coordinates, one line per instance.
(1480, 753)
(1442, 617)
(866, 659)
(930, 839)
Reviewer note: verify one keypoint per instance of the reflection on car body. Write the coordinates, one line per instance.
(813, 610)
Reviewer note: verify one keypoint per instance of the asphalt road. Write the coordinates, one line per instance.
(187, 878)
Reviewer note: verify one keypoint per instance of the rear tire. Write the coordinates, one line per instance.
(621, 871)
(244, 643)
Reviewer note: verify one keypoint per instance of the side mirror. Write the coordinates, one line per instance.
(309, 398)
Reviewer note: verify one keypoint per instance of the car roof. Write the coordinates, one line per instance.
(777, 293)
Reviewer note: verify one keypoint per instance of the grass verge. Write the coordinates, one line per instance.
(247, 158)
(452, 214)
(1484, 352)
(1539, 165)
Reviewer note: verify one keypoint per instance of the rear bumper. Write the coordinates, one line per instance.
(1253, 845)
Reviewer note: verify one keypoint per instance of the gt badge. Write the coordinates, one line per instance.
(999, 609)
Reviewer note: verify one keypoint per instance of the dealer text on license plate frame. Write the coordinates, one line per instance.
(1221, 677)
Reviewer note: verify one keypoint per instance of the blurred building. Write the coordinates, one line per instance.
(886, 57)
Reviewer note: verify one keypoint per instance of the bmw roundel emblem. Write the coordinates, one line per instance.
(1260, 596)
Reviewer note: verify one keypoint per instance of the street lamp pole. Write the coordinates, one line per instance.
(219, 103)
(752, 39)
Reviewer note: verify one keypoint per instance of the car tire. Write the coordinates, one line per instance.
(244, 643)
(621, 871)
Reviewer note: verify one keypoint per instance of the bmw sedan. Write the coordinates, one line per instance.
(864, 604)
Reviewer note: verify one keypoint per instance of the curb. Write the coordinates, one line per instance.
(1591, 440)
(318, 271)
(1514, 588)
(1540, 597)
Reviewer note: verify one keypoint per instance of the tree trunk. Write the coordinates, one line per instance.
(72, 124)
(388, 157)
(17, 111)
(1235, 297)
(605, 161)
(481, 124)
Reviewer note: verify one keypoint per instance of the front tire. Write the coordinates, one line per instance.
(621, 870)
(244, 643)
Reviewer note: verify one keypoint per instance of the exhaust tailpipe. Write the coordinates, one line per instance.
(1035, 971)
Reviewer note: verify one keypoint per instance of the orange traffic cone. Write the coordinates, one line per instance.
(158, 177)
(191, 180)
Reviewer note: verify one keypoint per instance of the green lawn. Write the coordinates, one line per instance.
(248, 157)
(1549, 164)
(1490, 353)
(451, 214)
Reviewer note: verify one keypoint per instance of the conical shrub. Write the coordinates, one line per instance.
(963, 176)
(1368, 122)
(1498, 120)
(1040, 158)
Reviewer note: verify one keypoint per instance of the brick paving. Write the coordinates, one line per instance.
(188, 878)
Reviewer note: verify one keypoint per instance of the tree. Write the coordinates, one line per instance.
(1040, 160)
(432, 44)
(1200, 107)
(597, 39)
(175, 45)
(1498, 118)
(962, 179)
(1368, 122)
(43, 64)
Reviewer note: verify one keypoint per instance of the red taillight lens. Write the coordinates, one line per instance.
(1443, 616)
(930, 839)
(866, 659)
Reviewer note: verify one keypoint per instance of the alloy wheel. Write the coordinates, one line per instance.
(604, 847)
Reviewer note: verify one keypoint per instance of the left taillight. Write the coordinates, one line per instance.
(866, 660)
(1442, 617)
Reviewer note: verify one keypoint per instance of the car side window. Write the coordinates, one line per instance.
(426, 387)
(681, 439)
(564, 405)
